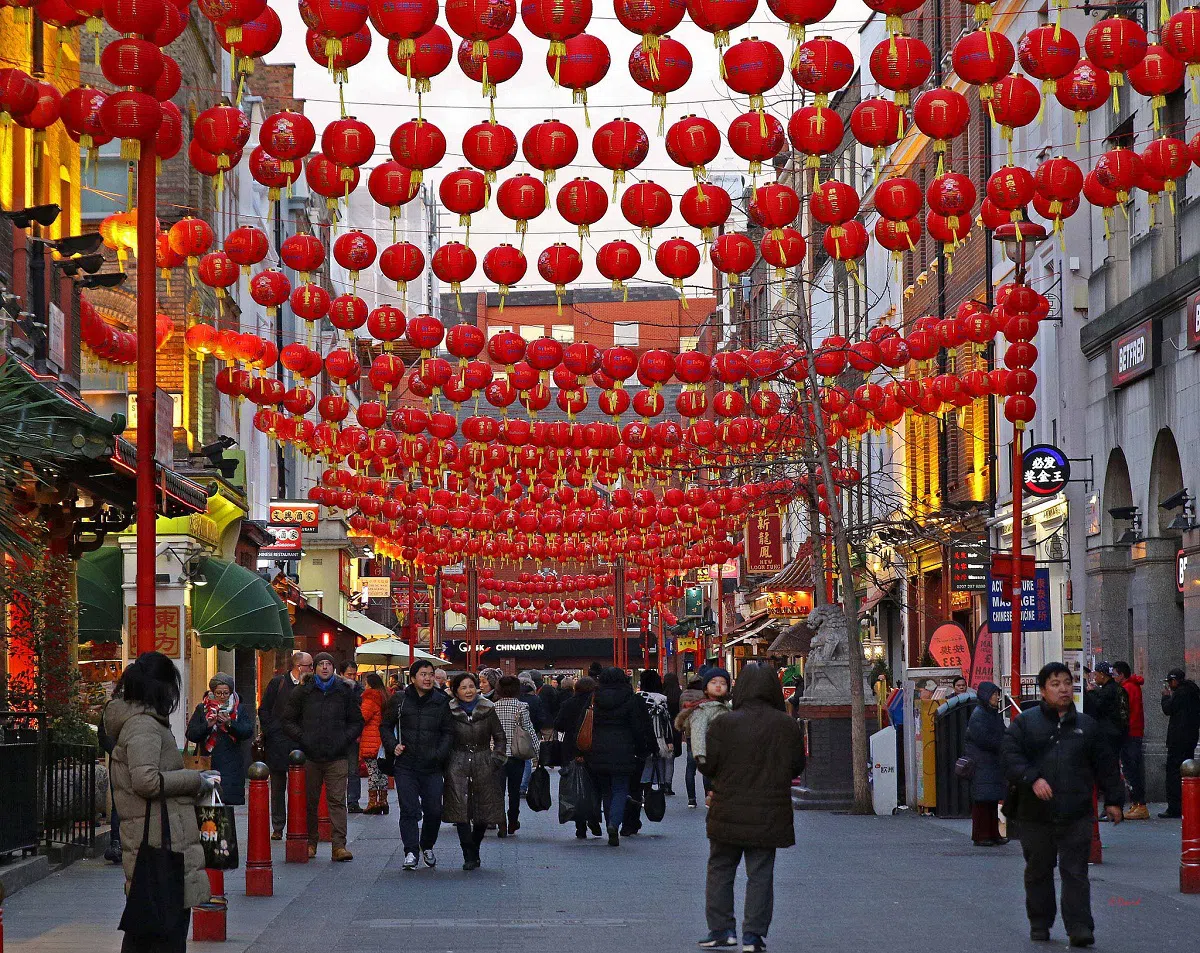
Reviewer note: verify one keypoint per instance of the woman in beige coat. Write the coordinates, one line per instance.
(146, 763)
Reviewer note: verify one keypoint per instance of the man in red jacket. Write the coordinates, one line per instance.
(1132, 763)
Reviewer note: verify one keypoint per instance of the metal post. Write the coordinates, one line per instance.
(147, 382)
(472, 617)
(619, 639)
(1189, 856)
(1018, 480)
(410, 622)
(296, 851)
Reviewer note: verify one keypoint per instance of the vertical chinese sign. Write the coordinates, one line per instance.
(764, 543)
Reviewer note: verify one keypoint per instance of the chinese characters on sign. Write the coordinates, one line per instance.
(166, 629)
(949, 648)
(300, 513)
(764, 544)
(1047, 470)
(789, 603)
(1035, 603)
(969, 562)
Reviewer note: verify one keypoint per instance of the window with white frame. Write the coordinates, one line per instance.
(625, 334)
(563, 333)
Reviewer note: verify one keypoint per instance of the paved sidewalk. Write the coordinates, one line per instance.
(904, 884)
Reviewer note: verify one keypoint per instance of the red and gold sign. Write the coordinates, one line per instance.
(789, 603)
(167, 635)
(764, 543)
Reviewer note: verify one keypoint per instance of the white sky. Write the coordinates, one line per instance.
(377, 94)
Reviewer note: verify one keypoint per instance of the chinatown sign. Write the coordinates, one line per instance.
(764, 543)
(537, 647)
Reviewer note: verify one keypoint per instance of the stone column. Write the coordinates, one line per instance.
(1106, 605)
(1191, 605)
(1157, 642)
(171, 633)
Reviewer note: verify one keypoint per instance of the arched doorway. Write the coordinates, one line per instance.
(1118, 491)
(1166, 480)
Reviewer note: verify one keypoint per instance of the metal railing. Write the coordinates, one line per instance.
(47, 789)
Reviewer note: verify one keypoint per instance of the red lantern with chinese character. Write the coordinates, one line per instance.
(1048, 53)
(677, 259)
(898, 198)
(646, 205)
(402, 262)
(1083, 90)
(560, 265)
(521, 198)
(823, 65)
(1155, 76)
(349, 142)
(288, 136)
(586, 63)
(1115, 44)
(338, 54)
(303, 253)
(1011, 188)
(429, 55)
(705, 207)
(1166, 159)
(661, 71)
(774, 206)
(783, 248)
(464, 192)
(403, 23)
(951, 195)
(733, 254)
(190, 238)
(386, 323)
(718, 17)
(816, 132)
(310, 302)
(270, 289)
(833, 203)
(18, 94)
(618, 261)
(418, 145)
(505, 265)
(878, 123)
(582, 202)
(752, 67)
(80, 113)
(391, 185)
(127, 115)
(556, 21)
(548, 146)
(751, 141)
(258, 38)
(348, 312)
(901, 64)
(693, 142)
(982, 58)
(355, 251)
(328, 179)
(247, 246)
(651, 19)
(489, 147)
(454, 263)
(620, 145)
(1015, 103)
(131, 62)
(498, 64)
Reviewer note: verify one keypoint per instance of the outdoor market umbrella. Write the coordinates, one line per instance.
(392, 652)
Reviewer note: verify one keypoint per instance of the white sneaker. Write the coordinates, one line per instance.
(410, 861)
(429, 857)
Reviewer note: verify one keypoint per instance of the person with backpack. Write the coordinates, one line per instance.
(716, 687)
(657, 764)
(1109, 705)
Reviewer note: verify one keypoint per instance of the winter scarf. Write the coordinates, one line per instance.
(211, 707)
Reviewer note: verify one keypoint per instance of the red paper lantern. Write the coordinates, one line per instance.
(900, 64)
(310, 302)
(1011, 188)
(131, 62)
(402, 262)
(136, 17)
(127, 115)
(705, 207)
(391, 185)
(798, 14)
(499, 63)
(951, 195)
(586, 63)
(1156, 76)
(80, 113)
(1115, 44)
(646, 205)
(247, 246)
(618, 261)
(774, 206)
(303, 253)
(733, 254)
(1166, 159)
(505, 265)
(982, 58)
(288, 136)
(833, 203)
(422, 57)
(403, 23)
(1048, 53)
(661, 71)
(338, 54)
(782, 249)
(898, 236)
(190, 238)
(752, 67)
(651, 19)
(348, 312)
(560, 265)
(1119, 170)
(757, 138)
(846, 242)
(718, 17)
(620, 145)
(223, 131)
(823, 65)
(251, 40)
(18, 94)
(548, 146)
(454, 263)
(270, 289)
(816, 132)
(418, 145)
(878, 123)
(1015, 103)
(898, 198)
(521, 198)
(386, 323)
(582, 203)
(1084, 89)
(693, 142)
(355, 251)
(556, 21)
(464, 192)
(349, 142)
(328, 179)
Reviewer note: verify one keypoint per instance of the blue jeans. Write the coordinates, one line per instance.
(689, 776)
(525, 776)
(420, 797)
(614, 792)
(1134, 767)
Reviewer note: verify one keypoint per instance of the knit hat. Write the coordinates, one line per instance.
(493, 675)
(221, 678)
(322, 657)
(710, 674)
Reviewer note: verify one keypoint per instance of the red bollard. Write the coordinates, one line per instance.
(296, 851)
(1, 918)
(1189, 857)
(208, 919)
(260, 881)
(1096, 854)
(324, 827)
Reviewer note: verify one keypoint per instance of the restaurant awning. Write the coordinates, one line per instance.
(237, 608)
(795, 575)
(100, 575)
(368, 628)
(758, 626)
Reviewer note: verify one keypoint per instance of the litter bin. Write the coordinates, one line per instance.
(953, 792)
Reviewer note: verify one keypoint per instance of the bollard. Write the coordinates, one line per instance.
(296, 851)
(208, 919)
(324, 826)
(1189, 857)
(1096, 853)
(1, 918)
(259, 877)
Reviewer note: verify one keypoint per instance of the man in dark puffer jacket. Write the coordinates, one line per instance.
(323, 717)
(1057, 756)
(753, 753)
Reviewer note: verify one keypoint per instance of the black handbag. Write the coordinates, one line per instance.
(654, 796)
(538, 797)
(154, 903)
(551, 752)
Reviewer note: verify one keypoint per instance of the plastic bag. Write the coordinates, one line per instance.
(218, 835)
(577, 797)
(538, 797)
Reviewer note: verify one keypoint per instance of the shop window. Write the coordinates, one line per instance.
(104, 187)
(531, 332)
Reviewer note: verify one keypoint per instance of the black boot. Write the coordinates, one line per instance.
(594, 827)
(470, 857)
(112, 853)
(614, 837)
(514, 823)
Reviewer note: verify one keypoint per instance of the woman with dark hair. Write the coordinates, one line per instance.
(621, 740)
(374, 698)
(513, 714)
(570, 717)
(149, 779)
(473, 797)
(219, 727)
(655, 768)
(674, 692)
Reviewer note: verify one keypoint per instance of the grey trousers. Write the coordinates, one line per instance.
(1065, 845)
(723, 860)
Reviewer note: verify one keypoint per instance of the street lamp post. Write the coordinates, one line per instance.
(147, 382)
(1017, 240)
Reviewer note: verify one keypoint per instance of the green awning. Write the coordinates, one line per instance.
(100, 575)
(237, 608)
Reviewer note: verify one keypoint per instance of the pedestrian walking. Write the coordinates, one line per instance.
(1057, 757)
(374, 700)
(985, 735)
(276, 742)
(1181, 705)
(439, 682)
(674, 691)
(621, 740)
(751, 756)
(474, 798)
(716, 687)
(489, 681)
(347, 671)
(537, 714)
(323, 719)
(149, 779)
(551, 698)
(689, 700)
(570, 717)
(219, 727)
(654, 767)
(514, 716)
(416, 733)
(1133, 764)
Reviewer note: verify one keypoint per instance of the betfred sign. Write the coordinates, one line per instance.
(1193, 323)
(1133, 355)
(299, 513)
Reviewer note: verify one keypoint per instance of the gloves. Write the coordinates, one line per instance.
(209, 780)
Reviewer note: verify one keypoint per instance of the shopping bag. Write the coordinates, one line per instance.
(551, 752)
(154, 902)
(538, 797)
(654, 795)
(218, 836)
(196, 761)
(577, 797)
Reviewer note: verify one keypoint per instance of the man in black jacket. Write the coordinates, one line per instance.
(1181, 705)
(1057, 756)
(323, 718)
(275, 740)
(1109, 705)
(416, 730)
